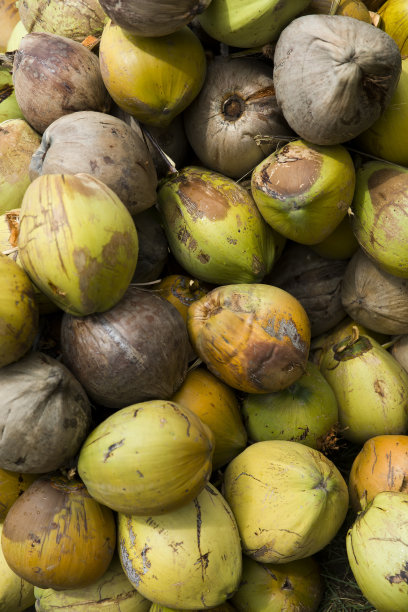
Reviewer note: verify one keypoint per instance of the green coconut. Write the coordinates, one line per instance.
(16, 594)
(9, 109)
(340, 244)
(383, 138)
(77, 242)
(148, 458)
(289, 500)
(303, 190)
(284, 587)
(112, 592)
(377, 551)
(16, 35)
(240, 23)
(189, 558)
(214, 228)
(18, 312)
(18, 142)
(379, 215)
(371, 388)
(304, 412)
(153, 79)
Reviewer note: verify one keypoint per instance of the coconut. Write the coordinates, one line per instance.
(376, 551)
(394, 18)
(153, 79)
(8, 18)
(254, 337)
(45, 415)
(173, 448)
(236, 111)
(340, 244)
(289, 500)
(216, 405)
(16, 594)
(334, 76)
(371, 388)
(249, 24)
(152, 18)
(57, 536)
(296, 585)
(304, 191)
(153, 246)
(374, 298)
(16, 35)
(348, 8)
(381, 465)
(75, 19)
(77, 241)
(198, 542)
(9, 108)
(382, 139)
(110, 591)
(104, 147)
(136, 351)
(304, 412)
(399, 351)
(379, 216)
(214, 228)
(18, 312)
(12, 485)
(313, 280)
(18, 141)
(55, 76)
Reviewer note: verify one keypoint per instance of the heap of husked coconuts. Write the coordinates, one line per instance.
(203, 303)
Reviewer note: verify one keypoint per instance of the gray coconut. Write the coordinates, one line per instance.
(54, 76)
(334, 76)
(235, 122)
(153, 247)
(45, 415)
(134, 352)
(374, 298)
(399, 351)
(103, 146)
(313, 280)
(153, 17)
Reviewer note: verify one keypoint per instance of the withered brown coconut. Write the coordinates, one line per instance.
(103, 146)
(55, 76)
(134, 352)
(44, 415)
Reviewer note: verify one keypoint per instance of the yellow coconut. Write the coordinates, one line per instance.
(12, 485)
(153, 79)
(16, 594)
(8, 18)
(16, 35)
(394, 18)
(216, 405)
(340, 244)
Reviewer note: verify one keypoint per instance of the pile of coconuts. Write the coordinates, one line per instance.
(203, 304)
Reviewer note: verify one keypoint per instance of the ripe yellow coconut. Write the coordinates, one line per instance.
(12, 485)
(16, 594)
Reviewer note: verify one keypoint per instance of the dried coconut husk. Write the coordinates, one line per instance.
(374, 298)
(315, 281)
(334, 76)
(153, 247)
(399, 351)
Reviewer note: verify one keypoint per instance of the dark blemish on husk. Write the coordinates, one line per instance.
(402, 576)
(249, 476)
(287, 585)
(203, 258)
(378, 388)
(112, 448)
(202, 200)
(387, 188)
(5, 92)
(203, 558)
(130, 571)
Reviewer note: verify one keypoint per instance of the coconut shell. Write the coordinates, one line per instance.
(55, 76)
(235, 111)
(44, 415)
(135, 351)
(313, 280)
(106, 148)
(334, 76)
(374, 298)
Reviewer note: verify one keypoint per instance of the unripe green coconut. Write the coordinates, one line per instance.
(303, 190)
(16, 594)
(18, 142)
(111, 593)
(240, 23)
(304, 412)
(370, 386)
(153, 79)
(188, 558)
(379, 215)
(148, 458)
(18, 312)
(377, 551)
(214, 228)
(16, 35)
(9, 109)
(289, 500)
(77, 242)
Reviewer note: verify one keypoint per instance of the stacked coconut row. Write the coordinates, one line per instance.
(118, 438)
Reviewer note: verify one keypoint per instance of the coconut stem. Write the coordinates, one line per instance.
(391, 343)
(169, 163)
